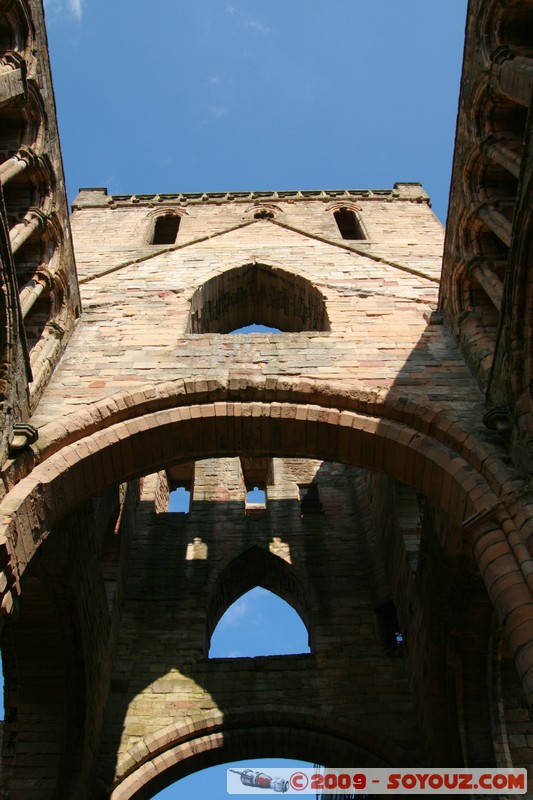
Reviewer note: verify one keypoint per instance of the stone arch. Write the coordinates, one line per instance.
(490, 183)
(257, 293)
(257, 567)
(486, 30)
(505, 123)
(476, 318)
(513, 27)
(495, 122)
(348, 223)
(164, 225)
(16, 30)
(179, 750)
(462, 482)
(504, 24)
(262, 210)
(24, 125)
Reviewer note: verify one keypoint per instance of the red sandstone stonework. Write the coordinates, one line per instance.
(408, 412)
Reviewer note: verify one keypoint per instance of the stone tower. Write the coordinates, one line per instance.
(388, 423)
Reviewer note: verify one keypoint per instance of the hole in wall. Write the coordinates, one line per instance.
(255, 328)
(180, 500)
(166, 229)
(259, 623)
(348, 224)
(256, 496)
(257, 293)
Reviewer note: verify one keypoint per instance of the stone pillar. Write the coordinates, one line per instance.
(504, 563)
(511, 75)
(479, 270)
(25, 158)
(33, 221)
(12, 79)
(41, 281)
(497, 222)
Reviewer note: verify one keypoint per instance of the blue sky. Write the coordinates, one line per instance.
(271, 625)
(188, 96)
(177, 95)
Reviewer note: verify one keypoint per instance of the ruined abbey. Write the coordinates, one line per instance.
(389, 427)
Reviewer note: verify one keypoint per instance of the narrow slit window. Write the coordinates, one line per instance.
(348, 224)
(410, 513)
(310, 499)
(393, 638)
(166, 229)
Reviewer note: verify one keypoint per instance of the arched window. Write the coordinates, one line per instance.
(166, 229)
(259, 623)
(348, 224)
(257, 293)
(253, 569)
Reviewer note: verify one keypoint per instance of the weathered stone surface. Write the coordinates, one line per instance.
(389, 428)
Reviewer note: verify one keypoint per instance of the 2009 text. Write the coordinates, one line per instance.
(379, 781)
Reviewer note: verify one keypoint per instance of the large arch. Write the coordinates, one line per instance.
(257, 293)
(184, 748)
(196, 420)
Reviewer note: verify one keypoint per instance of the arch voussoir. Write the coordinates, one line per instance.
(149, 441)
(217, 737)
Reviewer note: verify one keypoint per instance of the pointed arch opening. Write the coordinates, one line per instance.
(253, 569)
(166, 228)
(259, 623)
(260, 294)
(348, 224)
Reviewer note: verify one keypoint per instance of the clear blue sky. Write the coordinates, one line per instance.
(182, 95)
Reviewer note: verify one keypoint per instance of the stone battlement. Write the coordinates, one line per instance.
(98, 196)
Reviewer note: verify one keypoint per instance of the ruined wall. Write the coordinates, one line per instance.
(39, 299)
(356, 309)
(57, 650)
(187, 568)
(141, 300)
(485, 295)
(110, 599)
